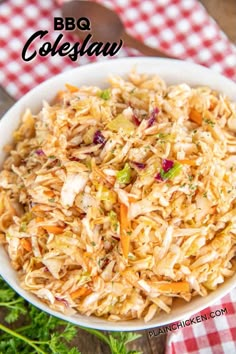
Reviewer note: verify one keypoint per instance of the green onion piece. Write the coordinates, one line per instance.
(124, 175)
(105, 94)
(23, 227)
(173, 172)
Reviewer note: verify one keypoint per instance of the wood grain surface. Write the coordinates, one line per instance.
(224, 12)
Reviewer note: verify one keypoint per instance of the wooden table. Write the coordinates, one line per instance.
(224, 12)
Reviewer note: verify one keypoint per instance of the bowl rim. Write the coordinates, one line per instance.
(96, 322)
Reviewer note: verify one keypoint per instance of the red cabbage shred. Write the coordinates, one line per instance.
(139, 164)
(158, 177)
(98, 138)
(167, 165)
(153, 116)
(40, 152)
(136, 120)
(64, 301)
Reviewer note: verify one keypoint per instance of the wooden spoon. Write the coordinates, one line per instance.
(106, 25)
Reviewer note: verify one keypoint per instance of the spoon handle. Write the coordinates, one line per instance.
(132, 42)
(6, 101)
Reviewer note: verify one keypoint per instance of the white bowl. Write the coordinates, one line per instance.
(173, 72)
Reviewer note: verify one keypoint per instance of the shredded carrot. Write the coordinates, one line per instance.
(213, 104)
(87, 254)
(128, 188)
(53, 229)
(213, 210)
(60, 95)
(49, 194)
(132, 199)
(195, 116)
(38, 219)
(26, 244)
(188, 162)
(80, 292)
(178, 287)
(124, 229)
(36, 208)
(71, 88)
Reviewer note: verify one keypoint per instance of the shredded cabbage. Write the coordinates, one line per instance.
(110, 206)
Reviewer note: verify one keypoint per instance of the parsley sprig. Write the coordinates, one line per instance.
(45, 334)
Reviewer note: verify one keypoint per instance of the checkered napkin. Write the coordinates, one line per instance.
(216, 334)
(181, 28)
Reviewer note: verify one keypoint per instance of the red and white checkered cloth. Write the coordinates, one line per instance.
(215, 336)
(181, 28)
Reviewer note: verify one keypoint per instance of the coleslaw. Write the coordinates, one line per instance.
(115, 202)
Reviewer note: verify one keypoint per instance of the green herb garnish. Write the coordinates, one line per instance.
(163, 136)
(105, 94)
(45, 334)
(114, 220)
(209, 122)
(40, 334)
